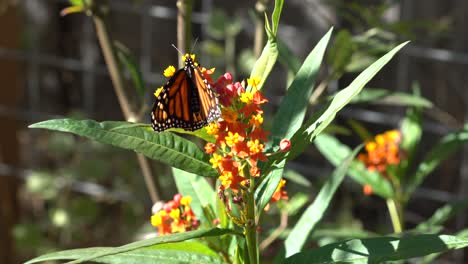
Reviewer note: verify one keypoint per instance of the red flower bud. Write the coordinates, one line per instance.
(285, 145)
(367, 190)
(177, 198)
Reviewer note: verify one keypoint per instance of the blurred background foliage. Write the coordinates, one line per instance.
(73, 192)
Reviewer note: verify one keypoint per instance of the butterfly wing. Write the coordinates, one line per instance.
(186, 101)
(209, 108)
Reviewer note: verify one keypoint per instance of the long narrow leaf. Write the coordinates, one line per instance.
(315, 126)
(165, 147)
(387, 97)
(442, 215)
(379, 249)
(267, 59)
(446, 147)
(293, 107)
(335, 152)
(197, 188)
(155, 241)
(182, 252)
(267, 188)
(126, 58)
(315, 212)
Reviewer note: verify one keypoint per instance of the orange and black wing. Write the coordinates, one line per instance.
(209, 108)
(186, 101)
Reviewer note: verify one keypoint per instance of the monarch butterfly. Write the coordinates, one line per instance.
(186, 101)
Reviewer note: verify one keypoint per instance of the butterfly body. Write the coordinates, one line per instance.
(186, 101)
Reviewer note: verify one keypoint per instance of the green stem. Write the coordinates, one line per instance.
(394, 215)
(250, 228)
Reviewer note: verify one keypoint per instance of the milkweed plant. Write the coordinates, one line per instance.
(220, 220)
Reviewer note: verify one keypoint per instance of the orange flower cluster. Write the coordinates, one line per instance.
(382, 151)
(239, 135)
(279, 194)
(176, 216)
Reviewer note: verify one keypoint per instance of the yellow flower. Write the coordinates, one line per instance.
(255, 146)
(226, 178)
(246, 97)
(232, 139)
(253, 82)
(380, 139)
(393, 135)
(186, 200)
(256, 120)
(216, 160)
(169, 71)
(156, 220)
(371, 146)
(175, 214)
(158, 91)
(212, 128)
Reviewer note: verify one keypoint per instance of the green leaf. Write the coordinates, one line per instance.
(314, 213)
(411, 130)
(296, 202)
(297, 178)
(387, 97)
(198, 189)
(165, 146)
(267, 187)
(125, 58)
(360, 130)
(430, 258)
(267, 59)
(153, 241)
(335, 152)
(379, 249)
(287, 57)
(315, 125)
(341, 52)
(275, 17)
(442, 215)
(200, 133)
(446, 147)
(293, 107)
(182, 252)
(341, 233)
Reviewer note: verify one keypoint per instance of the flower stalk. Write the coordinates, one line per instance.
(250, 228)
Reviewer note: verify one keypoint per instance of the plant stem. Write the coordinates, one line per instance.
(184, 26)
(278, 231)
(116, 76)
(260, 8)
(250, 229)
(394, 216)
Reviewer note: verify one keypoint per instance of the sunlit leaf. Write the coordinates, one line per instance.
(315, 212)
(379, 249)
(165, 146)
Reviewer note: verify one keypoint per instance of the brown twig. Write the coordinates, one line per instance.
(184, 26)
(278, 231)
(116, 75)
(318, 92)
(260, 8)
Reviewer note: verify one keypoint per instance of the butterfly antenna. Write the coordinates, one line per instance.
(180, 52)
(193, 46)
